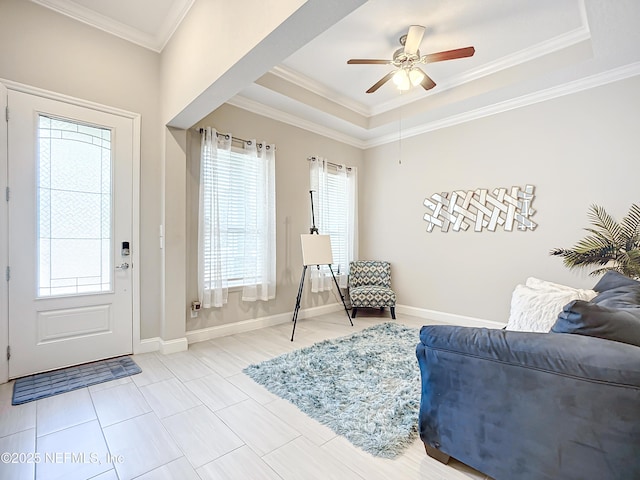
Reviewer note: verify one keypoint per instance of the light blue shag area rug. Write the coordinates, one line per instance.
(365, 387)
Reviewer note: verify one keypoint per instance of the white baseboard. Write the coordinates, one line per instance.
(181, 344)
(208, 333)
(450, 318)
(156, 344)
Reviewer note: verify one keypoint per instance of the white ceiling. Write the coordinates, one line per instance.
(148, 23)
(526, 51)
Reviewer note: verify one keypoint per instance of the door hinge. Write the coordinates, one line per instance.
(7, 193)
(6, 113)
(8, 274)
(8, 352)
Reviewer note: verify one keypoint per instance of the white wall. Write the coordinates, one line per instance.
(218, 49)
(47, 50)
(293, 146)
(208, 43)
(577, 150)
(222, 47)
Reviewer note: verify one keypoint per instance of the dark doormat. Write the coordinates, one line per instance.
(47, 384)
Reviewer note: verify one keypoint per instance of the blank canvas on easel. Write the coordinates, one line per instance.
(316, 249)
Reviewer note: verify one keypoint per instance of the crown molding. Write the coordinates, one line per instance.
(119, 29)
(549, 46)
(599, 79)
(284, 117)
(320, 89)
(546, 47)
(172, 21)
(541, 49)
(586, 83)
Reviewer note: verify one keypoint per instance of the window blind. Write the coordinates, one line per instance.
(239, 177)
(337, 219)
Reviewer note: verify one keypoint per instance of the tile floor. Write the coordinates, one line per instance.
(195, 415)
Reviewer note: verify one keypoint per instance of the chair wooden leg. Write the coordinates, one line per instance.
(393, 312)
(437, 454)
(353, 312)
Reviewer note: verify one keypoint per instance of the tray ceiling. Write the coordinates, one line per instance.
(525, 51)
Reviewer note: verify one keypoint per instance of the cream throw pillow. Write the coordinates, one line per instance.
(535, 306)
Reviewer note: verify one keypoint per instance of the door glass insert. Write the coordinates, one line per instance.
(74, 181)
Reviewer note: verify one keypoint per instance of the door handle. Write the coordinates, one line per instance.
(122, 266)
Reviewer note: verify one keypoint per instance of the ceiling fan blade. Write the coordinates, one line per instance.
(414, 37)
(448, 55)
(365, 61)
(427, 83)
(381, 82)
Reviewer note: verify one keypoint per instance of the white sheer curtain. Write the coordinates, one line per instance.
(335, 196)
(236, 225)
(213, 285)
(260, 243)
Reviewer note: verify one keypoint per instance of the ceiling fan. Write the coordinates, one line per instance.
(406, 59)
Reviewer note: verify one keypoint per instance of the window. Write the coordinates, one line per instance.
(335, 223)
(237, 220)
(74, 208)
(240, 237)
(334, 195)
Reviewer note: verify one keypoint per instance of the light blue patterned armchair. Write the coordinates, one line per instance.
(370, 286)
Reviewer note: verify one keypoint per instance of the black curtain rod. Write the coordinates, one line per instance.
(226, 135)
(336, 165)
(236, 139)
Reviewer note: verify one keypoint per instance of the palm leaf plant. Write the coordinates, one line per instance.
(610, 245)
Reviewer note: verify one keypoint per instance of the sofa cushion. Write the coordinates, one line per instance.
(619, 297)
(612, 280)
(578, 356)
(535, 306)
(595, 320)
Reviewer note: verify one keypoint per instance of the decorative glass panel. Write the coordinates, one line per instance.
(74, 208)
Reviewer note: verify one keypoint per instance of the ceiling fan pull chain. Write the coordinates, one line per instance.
(400, 138)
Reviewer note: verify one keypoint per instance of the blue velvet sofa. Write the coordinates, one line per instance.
(558, 405)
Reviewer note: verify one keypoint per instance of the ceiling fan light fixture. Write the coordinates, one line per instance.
(404, 59)
(416, 76)
(401, 79)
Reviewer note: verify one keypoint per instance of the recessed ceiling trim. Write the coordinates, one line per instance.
(320, 89)
(547, 47)
(610, 76)
(586, 83)
(279, 115)
(551, 45)
(119, 29)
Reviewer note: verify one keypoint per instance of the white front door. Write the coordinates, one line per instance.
(70, 216)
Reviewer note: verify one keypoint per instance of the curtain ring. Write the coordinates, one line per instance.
(249, 142)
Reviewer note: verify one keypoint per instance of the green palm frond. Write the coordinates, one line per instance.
(634, 256)
(604, 223)
(631, 227)
(632, 263)
(610, 245)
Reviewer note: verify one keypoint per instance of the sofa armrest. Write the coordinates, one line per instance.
(557, 353)
(531, 406)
